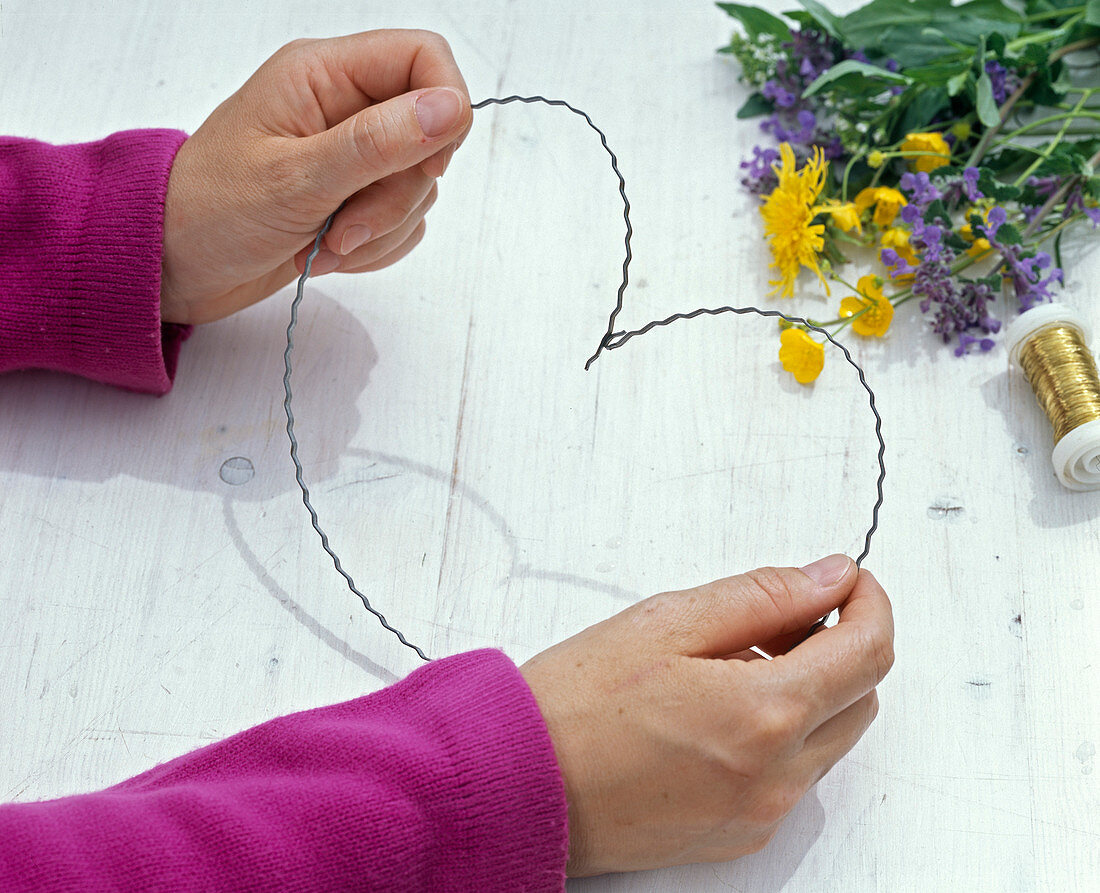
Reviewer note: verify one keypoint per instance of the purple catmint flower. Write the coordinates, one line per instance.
(1003, 80)
(1093, 214)
(970, 184)
(759, 177)
(966, 341)
(778, 94)
(921, 191)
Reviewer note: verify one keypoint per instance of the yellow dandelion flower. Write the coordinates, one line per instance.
(788, 213)
(933, 143)
(877, 311)
(897, 237)
(887, 201)
(844, 215)
(800, 355)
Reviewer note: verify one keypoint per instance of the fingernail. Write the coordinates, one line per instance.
(354, 236)
(827, 571)
(324, 262)
(437, 111)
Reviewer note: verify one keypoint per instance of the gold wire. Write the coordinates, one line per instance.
(1063, 376)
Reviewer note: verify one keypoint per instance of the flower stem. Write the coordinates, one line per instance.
(1054, 199)
(1053, 144)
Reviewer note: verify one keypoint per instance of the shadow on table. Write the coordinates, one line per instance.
(226, 405)
(765, 872)
(1051, 505)
(222, 431)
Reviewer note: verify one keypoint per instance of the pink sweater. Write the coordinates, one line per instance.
(445, 781)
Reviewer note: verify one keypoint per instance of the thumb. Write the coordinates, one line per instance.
(383, 139)
(730, 615)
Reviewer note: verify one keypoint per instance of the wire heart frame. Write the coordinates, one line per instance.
(611, 340)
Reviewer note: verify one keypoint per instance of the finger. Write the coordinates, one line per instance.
(840, 664)
(733, 614)
(382, 140)
(834, 738)
(328, 261)
(784, 643)
(393, 256)
(348, 73)
(380, 208)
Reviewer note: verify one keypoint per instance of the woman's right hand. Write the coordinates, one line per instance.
(677, 745)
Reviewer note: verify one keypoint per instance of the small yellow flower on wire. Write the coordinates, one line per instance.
(886, 200)
(934, 144)
(874, 309)
(788, 213)
(800, 355)
(845, 216)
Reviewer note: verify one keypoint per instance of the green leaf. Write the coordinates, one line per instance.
(915, 32)
(986, 106)
(1092, 12)
(921, 109)
(976, 223)
(754, 106)
(990, 186)
(954, 241)
(957, 84)
(757, 21)
(1007, 234)
(997, 43)
(828, 22)
(936, 209)
(853, 75)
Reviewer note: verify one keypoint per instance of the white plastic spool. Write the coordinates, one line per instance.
(1076, 457)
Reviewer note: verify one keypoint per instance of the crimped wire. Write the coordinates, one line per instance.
(294, 441)
(611, 340)
(618, 339)
(622, 192)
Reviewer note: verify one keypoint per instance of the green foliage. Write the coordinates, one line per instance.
(1010, 88)
(757, 21)
(855, 77)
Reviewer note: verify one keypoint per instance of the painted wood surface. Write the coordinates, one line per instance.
(484, 490)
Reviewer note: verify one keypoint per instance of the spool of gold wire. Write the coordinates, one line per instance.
(1049, 344)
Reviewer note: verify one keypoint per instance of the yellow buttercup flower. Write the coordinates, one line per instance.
(788, 213)
(875, 158)
(845, 215)
(877, 311)
(800, 355)
(933, 143)
(897, 237)
(887, 201)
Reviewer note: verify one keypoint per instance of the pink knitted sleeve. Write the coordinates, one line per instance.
(446, 781)
(81, 230)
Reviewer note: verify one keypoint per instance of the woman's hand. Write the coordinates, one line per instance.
(371, 118)
(676, 746)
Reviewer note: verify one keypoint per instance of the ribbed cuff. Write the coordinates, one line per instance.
(81, 242)
(507, 804)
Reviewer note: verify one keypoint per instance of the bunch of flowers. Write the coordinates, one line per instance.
(955, 144)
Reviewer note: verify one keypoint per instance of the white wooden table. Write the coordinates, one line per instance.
(486, 491)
